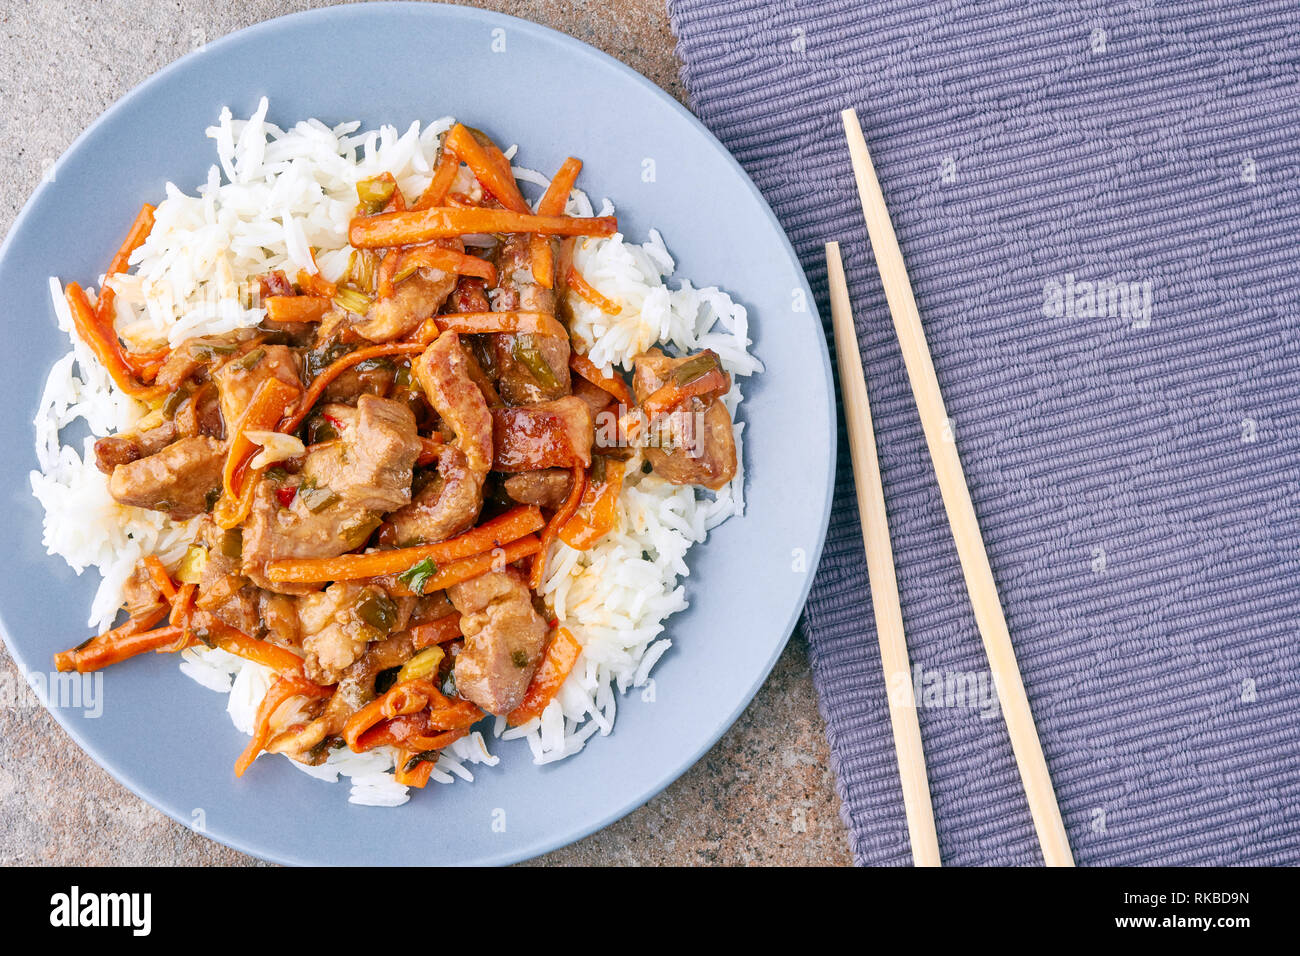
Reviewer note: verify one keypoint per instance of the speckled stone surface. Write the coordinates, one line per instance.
(763, 795)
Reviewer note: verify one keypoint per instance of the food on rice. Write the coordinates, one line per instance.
(366, 454)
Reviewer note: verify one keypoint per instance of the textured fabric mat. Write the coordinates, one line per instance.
(1131, 449)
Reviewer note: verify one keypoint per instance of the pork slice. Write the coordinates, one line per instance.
(444, 507)
(696, 444)
(443, 371)
(504, 640)
(517, 291)
(124, 448)
(370, 467)
(413, 300)
(556, 434)
(341, 493)
(546, 488)
(178, 480)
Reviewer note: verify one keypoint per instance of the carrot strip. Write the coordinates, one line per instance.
(450, 260)
(417, 776)
(561, 654)
(102, 340)
(592, 373)
(323, 380)
(161, 579)
(270, 402)
(268, 405)
(313, 283)
(296, 308)
(418, 730)
(552, 204)
(284, 662)
(388, 267)
(435, 194)
(413, 731)
(475, 323)
(441, 631)
(282, 690)
(498, 532)
(443, 222)
(127, 640)
(537, 572)
(408, 697)
(490, 167)
(598, 512)
(466, 569)
(589, 293)
(135, 237)
(667, 397)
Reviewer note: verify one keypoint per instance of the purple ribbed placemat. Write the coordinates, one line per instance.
(1134, 462)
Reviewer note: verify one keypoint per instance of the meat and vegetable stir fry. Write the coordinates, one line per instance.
(377, 473)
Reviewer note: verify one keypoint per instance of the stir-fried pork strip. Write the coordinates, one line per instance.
(504, 640)
(341, 493)
(339, 623)
(126, 447)
(548, 356)
(452, 501)
(546, 488)
(696, 443)
(414, 299)
(181, 479)
(444, 374)
(356, 688)
(556, 434)
(447, 505)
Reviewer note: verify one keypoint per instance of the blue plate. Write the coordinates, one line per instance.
(168, 739)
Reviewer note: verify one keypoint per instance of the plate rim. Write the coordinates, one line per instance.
(308, 18)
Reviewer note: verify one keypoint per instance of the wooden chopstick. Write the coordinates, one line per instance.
(957, 503)
(880, 571)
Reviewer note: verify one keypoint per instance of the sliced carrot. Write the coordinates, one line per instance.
(286, 688)
(405, 260)
(102, 340)
(475, 323)
(496, 533)
(592, 373)
(552, 204)
(417, 776)
(444, 174)
(598, 513)
(313, 283)
(135, 237)
(444, 222)
(421, 730)
(128, 640)
(408, 697)
(537, 572)
(281, 660)
(561, 654)
(270, 402)
(296, 308)
(334, 370)
(589, 293)
(467, 569)
(441, 631)
(489, 165)
(450, 260)
(161, 579)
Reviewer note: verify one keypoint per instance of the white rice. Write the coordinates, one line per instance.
(274, 196)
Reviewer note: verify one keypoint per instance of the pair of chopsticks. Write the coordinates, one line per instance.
(961, 518)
